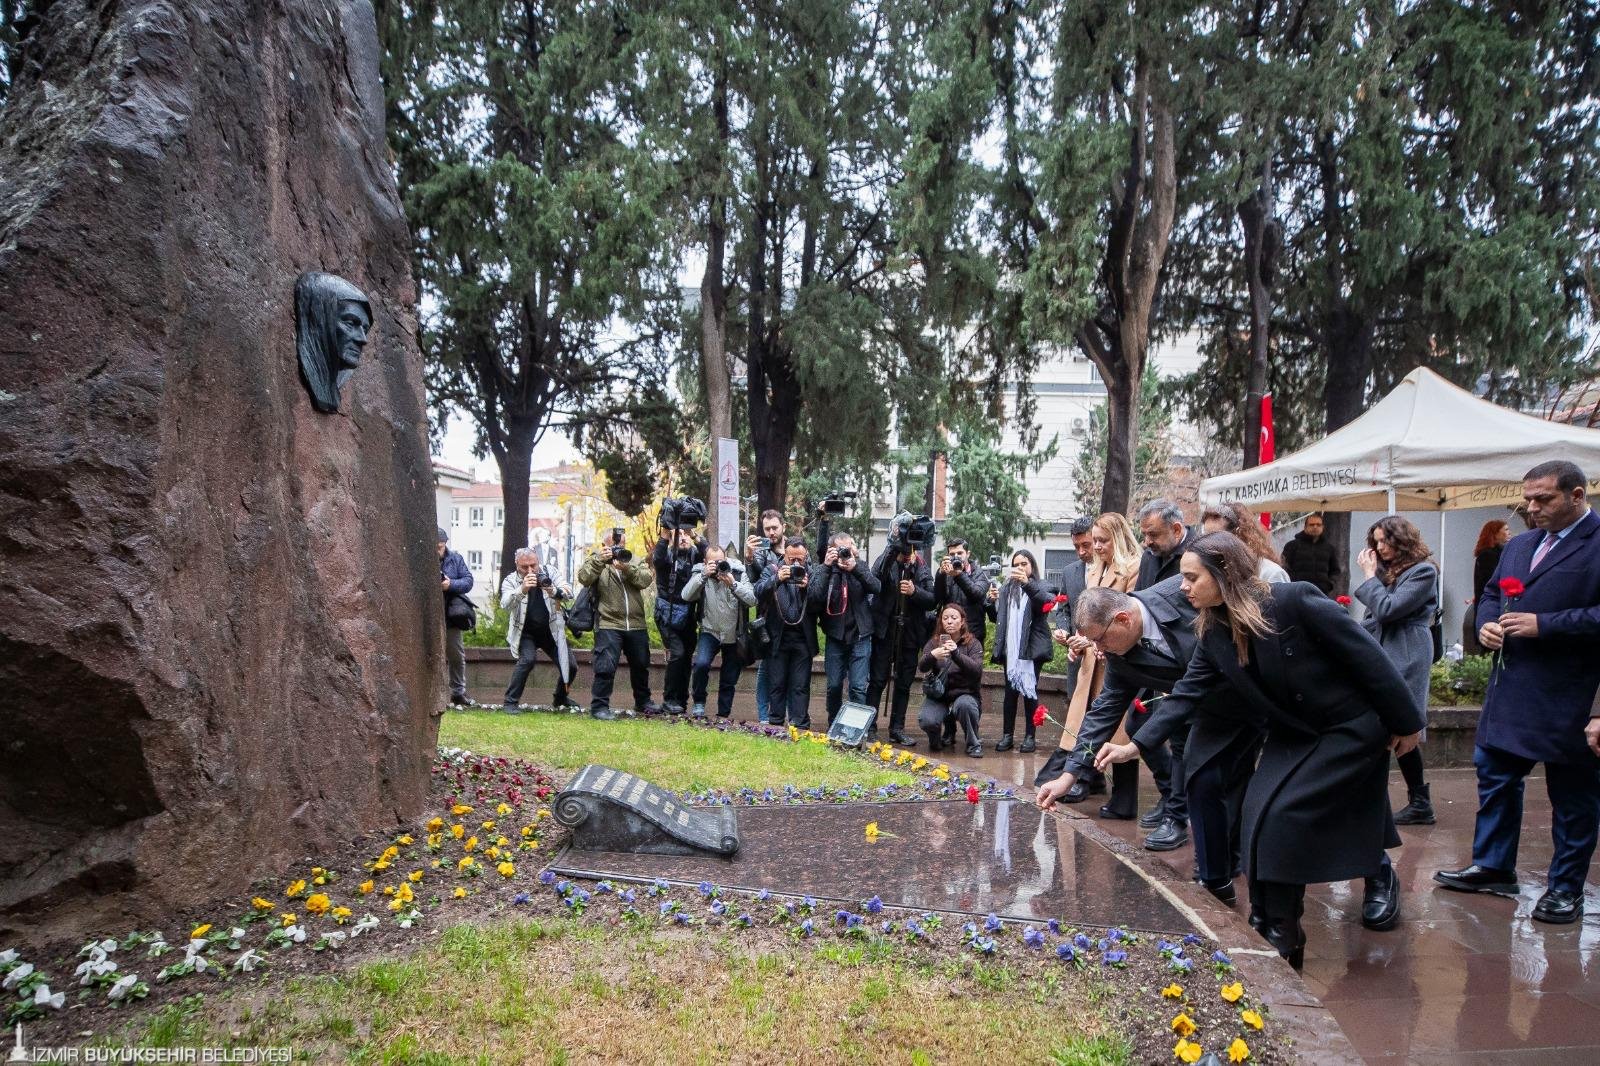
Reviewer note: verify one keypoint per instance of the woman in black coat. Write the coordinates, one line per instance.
(1022, 649)
(1318, 807)
(957, 655)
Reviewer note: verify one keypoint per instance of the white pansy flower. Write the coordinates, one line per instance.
(8, 956)
(248, 960)
(367, 922)
(43, 998)
(123, 986)
(236, 933)
(88, 971)
(295, 933)
(17, 976)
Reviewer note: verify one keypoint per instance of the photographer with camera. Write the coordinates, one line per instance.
(760, 552)
(720, 588)
(678, 553)
(455, 581)
(784, 595)
(536, 605)
(617, 581)
(841, 595)
(900, 618)
(961, 582)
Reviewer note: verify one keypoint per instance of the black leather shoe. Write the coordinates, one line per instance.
(1108, 811)
(1077, 793)
(898, 737)
(1171, 834)
(1380, 906)
(511, 708)
(1005, 743)
(1027, 745)
(1477, 878)
(974, 750)
(1558, 908)
(460, 701)
(935, 742)
(1257, 920)
(1224, 892)
(564, 701)
(604, 714)
(1153, 817)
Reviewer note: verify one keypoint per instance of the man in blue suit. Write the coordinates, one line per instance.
(1540, 704)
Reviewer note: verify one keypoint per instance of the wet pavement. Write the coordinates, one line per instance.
(994, 857)
(1463, 979)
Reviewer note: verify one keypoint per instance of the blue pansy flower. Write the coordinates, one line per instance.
(705, 888)
(520, 897)
(1081, 942)
(1064, 952)
(874, 905)
(1054, 926)
(1111, 958)
(1032, 937)
(991, 924)
(627, 895)
(546, 877)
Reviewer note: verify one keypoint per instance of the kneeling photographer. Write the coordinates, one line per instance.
(537, 622)
(952, 662)
(719, 586)
(841, 594)
(900, 617)
(791, 626)
(678, 552)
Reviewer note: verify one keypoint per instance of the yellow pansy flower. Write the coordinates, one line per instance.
(1183, 1025)
(458, 830)
(466, 863)
(459, 893)
(415, 875)
(295, 889)
(318, 904)
(459, 809)
(403, 841)
(288, 920)
(435, 824)
(487, 826)
(1252, 1019)
(262, 905)
(527, 831)
(404, 894)
(1172, 991)
(1238, 1051)
(1187, 1052)
(340, 914)
(366, 888)
(872, 832)
(1232, 992)
(471, 844)
(199, 931)
(503, 810)
(506, 869)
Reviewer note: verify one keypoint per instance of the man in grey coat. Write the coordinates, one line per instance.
(719, 585)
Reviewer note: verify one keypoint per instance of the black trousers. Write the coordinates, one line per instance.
(1008, 710)
(680, 663)
(609, 646)
(1216, 806)
(905, 672)
(789, 685)
(1166, 767)
(534, 640)
(937, 718)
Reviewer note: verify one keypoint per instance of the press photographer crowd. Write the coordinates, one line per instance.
(1264, 712)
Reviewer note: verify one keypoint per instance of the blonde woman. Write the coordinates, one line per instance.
(1115, 566)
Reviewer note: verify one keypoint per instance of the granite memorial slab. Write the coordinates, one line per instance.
(612, 811)
(997, 856)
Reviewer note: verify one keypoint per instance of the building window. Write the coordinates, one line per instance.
(455, 518)
(499, 517)
(1056, 560)
(494, 561)
(475, 517)
(475, 560)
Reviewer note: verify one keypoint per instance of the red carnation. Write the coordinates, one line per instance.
(1038, 716)
(1138, 705)
(1342, 601)
(1512, 587)
(972, 793)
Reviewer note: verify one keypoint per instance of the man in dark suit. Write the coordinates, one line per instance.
(1147, 639)
(1074, 579)
(1165, 537)
(1540, 704)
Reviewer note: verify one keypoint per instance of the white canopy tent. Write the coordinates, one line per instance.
(1427, 446)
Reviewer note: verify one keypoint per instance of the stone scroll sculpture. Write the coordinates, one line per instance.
(609, 810)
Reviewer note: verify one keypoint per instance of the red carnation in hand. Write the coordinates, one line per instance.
(1038, 716)
(972, 793)
(1138, 705)
(1342, 601)
(1511, 587)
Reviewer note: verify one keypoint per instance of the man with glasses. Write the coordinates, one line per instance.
(1147, 639)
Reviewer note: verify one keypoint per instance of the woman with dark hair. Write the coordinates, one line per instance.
(957, 655)
(1237, 519)
(1317, 808)
(1492, 539)
(1401, 595)
(1022, 644)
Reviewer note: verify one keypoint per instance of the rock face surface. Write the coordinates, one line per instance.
(220, 618)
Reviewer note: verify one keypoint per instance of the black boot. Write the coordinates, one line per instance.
(1027, 744)
(1419, 811)
(1005, 743)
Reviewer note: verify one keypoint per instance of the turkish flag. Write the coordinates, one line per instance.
(1267, 448)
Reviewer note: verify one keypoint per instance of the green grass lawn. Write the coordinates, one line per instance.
(561, 991)
(681, 757)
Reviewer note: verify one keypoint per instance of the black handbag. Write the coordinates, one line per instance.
(755, 642)
(933, 684)
(459, 613)
(1437, 631)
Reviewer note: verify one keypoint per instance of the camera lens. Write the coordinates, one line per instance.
(723, 567)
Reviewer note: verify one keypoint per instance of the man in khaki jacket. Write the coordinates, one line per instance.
(617, 581)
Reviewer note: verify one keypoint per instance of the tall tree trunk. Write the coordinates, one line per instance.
(1122, 430)
(515, 461)
(715, 374)
(1254, 214)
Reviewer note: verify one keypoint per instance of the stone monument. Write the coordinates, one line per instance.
(220, 627)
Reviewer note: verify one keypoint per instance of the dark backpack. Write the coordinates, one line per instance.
(580, 616)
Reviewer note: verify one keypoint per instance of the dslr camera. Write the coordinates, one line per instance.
(682, 512)
(835, 502)
(724, 567)
(846, 552)
(618, 552)
(908, 534)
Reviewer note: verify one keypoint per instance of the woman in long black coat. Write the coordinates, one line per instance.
(1318, 807)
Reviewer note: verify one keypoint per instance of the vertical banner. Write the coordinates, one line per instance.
(728, 531)
(1268, 447)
